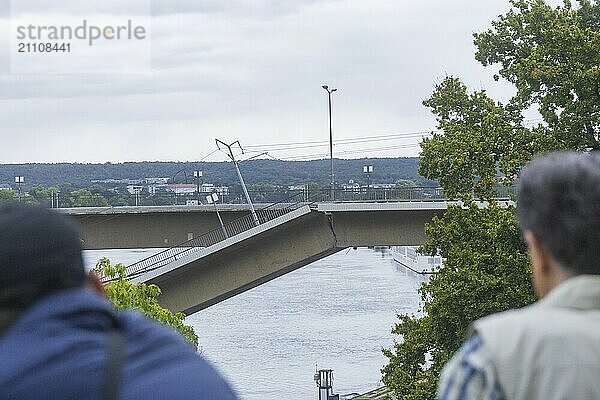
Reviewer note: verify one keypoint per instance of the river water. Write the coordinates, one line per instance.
(336, 313)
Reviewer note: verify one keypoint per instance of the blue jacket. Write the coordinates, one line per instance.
(58, 348)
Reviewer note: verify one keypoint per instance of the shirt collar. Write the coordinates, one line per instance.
(580, 292)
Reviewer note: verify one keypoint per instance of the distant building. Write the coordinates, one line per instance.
(5, 187)
(210, 188)
(297, 187)
(135, 189)
(383, 185)
(156, 187)
(351, 187)
(109, 181)
(157, 181)
(119, 181)
(181, 188)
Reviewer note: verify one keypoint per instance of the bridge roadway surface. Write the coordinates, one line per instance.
(205, 276)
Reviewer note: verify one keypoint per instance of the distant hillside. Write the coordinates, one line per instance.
(386, 170)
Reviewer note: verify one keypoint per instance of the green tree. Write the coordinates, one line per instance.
(486, 270)
(7, 194)
(124, 294)
(481, 142)
(552, 56)
(85, 198)
(11, 195)
(43, 195)
(121, 200)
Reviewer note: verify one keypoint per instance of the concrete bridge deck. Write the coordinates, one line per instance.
(149, 226)
(193, 277)
(166, 226)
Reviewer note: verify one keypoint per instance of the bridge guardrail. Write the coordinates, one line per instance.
(358, 193)
(379, 194)
(409, 193)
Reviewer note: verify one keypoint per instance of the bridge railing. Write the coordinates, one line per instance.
(214, 236)
(345, 193)
(378, 194)
(409, 193)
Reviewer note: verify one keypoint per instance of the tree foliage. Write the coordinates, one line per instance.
(479, 138)
(85, 198)
(44, 196)
(552, 56)
(9, 195)
(486, 270)
(76, 176)
(124, 294)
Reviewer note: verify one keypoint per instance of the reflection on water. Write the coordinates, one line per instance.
(337, 312)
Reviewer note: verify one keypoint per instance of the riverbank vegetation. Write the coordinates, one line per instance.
(142, 297)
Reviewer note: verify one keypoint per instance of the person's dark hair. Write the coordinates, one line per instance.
(40, 253)
(559, 201)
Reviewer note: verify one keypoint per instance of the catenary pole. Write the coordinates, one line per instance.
(237, 169)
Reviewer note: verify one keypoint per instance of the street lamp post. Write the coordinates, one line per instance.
(368, 170)
(136, 192)
(19, 180)
(198, 175)
(54, 200)
(329, 91)
(212, 199)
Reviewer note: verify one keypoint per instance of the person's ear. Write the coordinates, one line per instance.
(540, 262)
(95, 284)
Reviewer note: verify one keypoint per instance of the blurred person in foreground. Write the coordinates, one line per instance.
(60, 338)
(549, 350)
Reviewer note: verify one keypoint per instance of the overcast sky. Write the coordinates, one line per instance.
(250, 71)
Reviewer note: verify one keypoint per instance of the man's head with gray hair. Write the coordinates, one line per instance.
(559, 211)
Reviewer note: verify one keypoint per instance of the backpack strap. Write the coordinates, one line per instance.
(114, 365)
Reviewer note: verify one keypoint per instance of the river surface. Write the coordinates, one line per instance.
(336, 313)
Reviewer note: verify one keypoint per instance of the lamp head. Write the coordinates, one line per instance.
(325, 87)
